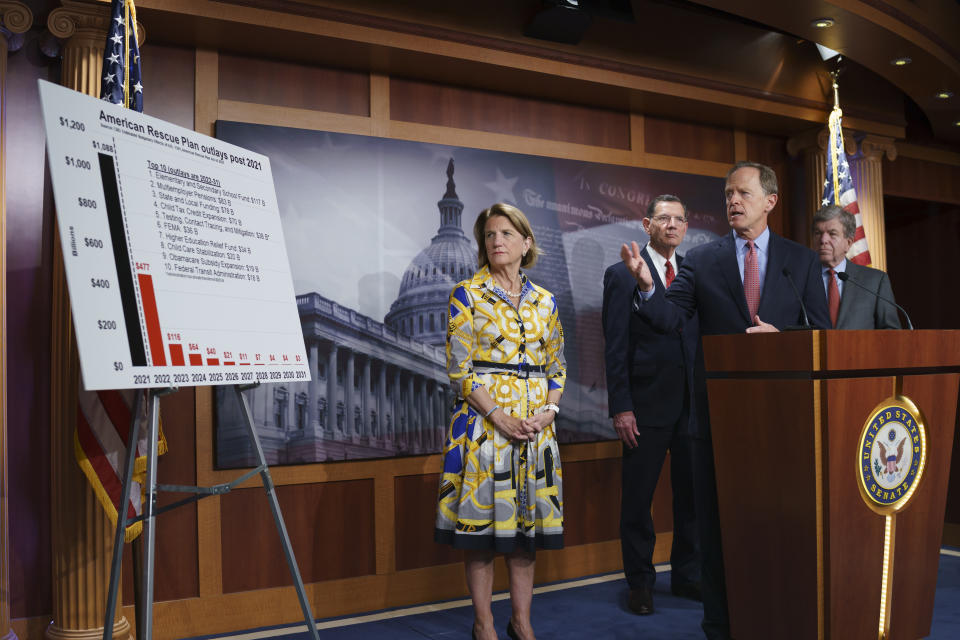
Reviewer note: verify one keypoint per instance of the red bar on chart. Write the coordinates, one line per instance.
(176, 355)
(213, 362)
(154, 336)
(229, 363)
(196, 360)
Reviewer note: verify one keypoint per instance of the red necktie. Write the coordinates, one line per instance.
(833, 297)
(751, 279)
(669, 274)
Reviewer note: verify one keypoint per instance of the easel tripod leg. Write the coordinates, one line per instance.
(118, 538)
(277, 516)
(150, 519)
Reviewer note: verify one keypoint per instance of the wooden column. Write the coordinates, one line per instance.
(81, 533)
(813, 145)
(868, 172)
(15, 19)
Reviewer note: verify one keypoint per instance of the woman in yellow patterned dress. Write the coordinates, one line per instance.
(500, 490)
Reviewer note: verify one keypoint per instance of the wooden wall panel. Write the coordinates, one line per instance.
(415, 508)
(591, 501)
(331, 528)
(922, 180)
(688, 140)
(294, 85)
(772, 151)
(922, 280)
(427, 103)
(170, 76)
(177, 556)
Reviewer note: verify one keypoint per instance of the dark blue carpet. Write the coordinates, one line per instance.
(598, 611)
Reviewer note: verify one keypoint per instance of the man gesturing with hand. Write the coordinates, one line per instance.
(739, 283)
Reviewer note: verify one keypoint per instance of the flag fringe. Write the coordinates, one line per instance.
(132, 531)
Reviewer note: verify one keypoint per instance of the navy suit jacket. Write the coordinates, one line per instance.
(648, 372)
(708, 284)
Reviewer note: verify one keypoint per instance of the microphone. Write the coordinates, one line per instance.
(803, 308)
(844, 276)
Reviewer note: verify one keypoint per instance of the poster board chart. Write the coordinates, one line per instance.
(178, 275)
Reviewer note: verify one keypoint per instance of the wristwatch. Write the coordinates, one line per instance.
(556, 409)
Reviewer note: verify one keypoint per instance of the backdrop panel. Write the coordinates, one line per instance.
(379, 231)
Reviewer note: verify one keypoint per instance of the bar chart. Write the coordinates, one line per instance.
(174, 253)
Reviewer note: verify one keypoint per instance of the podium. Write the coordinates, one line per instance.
(803, 551)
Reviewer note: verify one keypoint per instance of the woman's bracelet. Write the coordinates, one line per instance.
(549, 406)
(488, 413)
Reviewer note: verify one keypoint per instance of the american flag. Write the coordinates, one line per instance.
(101, 438)
(120, 83)
(838, 188)
(100, 444)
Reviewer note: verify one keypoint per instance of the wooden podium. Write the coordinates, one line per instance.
(803, 551)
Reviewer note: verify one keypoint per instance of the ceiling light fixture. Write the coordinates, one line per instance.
(943, 94)
(902, 61)
(823, 23)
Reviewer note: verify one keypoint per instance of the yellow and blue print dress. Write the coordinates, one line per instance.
(496, 493)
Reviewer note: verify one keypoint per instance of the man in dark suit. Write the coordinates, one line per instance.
(649, 384)
(850, 306)
(739, 283)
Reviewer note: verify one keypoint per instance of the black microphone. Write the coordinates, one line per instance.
(844, 276)
(803, 308)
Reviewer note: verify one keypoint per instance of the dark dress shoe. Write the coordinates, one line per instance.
(641, 601)
(689, 590)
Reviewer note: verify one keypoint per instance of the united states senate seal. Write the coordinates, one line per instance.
(891, 455)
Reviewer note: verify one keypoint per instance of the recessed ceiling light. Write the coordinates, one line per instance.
(944, 94)
(822, 23)
(901, 61)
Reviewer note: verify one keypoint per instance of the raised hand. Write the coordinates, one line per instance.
(637, 266)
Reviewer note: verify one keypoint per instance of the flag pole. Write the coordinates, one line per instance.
(836, 94)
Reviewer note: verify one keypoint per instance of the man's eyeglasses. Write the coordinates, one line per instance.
(665, 220)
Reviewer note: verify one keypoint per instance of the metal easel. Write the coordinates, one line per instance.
(144, 619)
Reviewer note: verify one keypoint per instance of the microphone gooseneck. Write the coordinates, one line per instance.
(796, 292)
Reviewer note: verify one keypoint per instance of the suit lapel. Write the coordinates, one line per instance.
(848, 300)
(775, 263)
(657, 282)
(726, 259)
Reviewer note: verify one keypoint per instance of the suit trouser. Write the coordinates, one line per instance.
(641, 471)
(716, 620)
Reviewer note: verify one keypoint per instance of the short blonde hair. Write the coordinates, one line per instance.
(519, 222)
